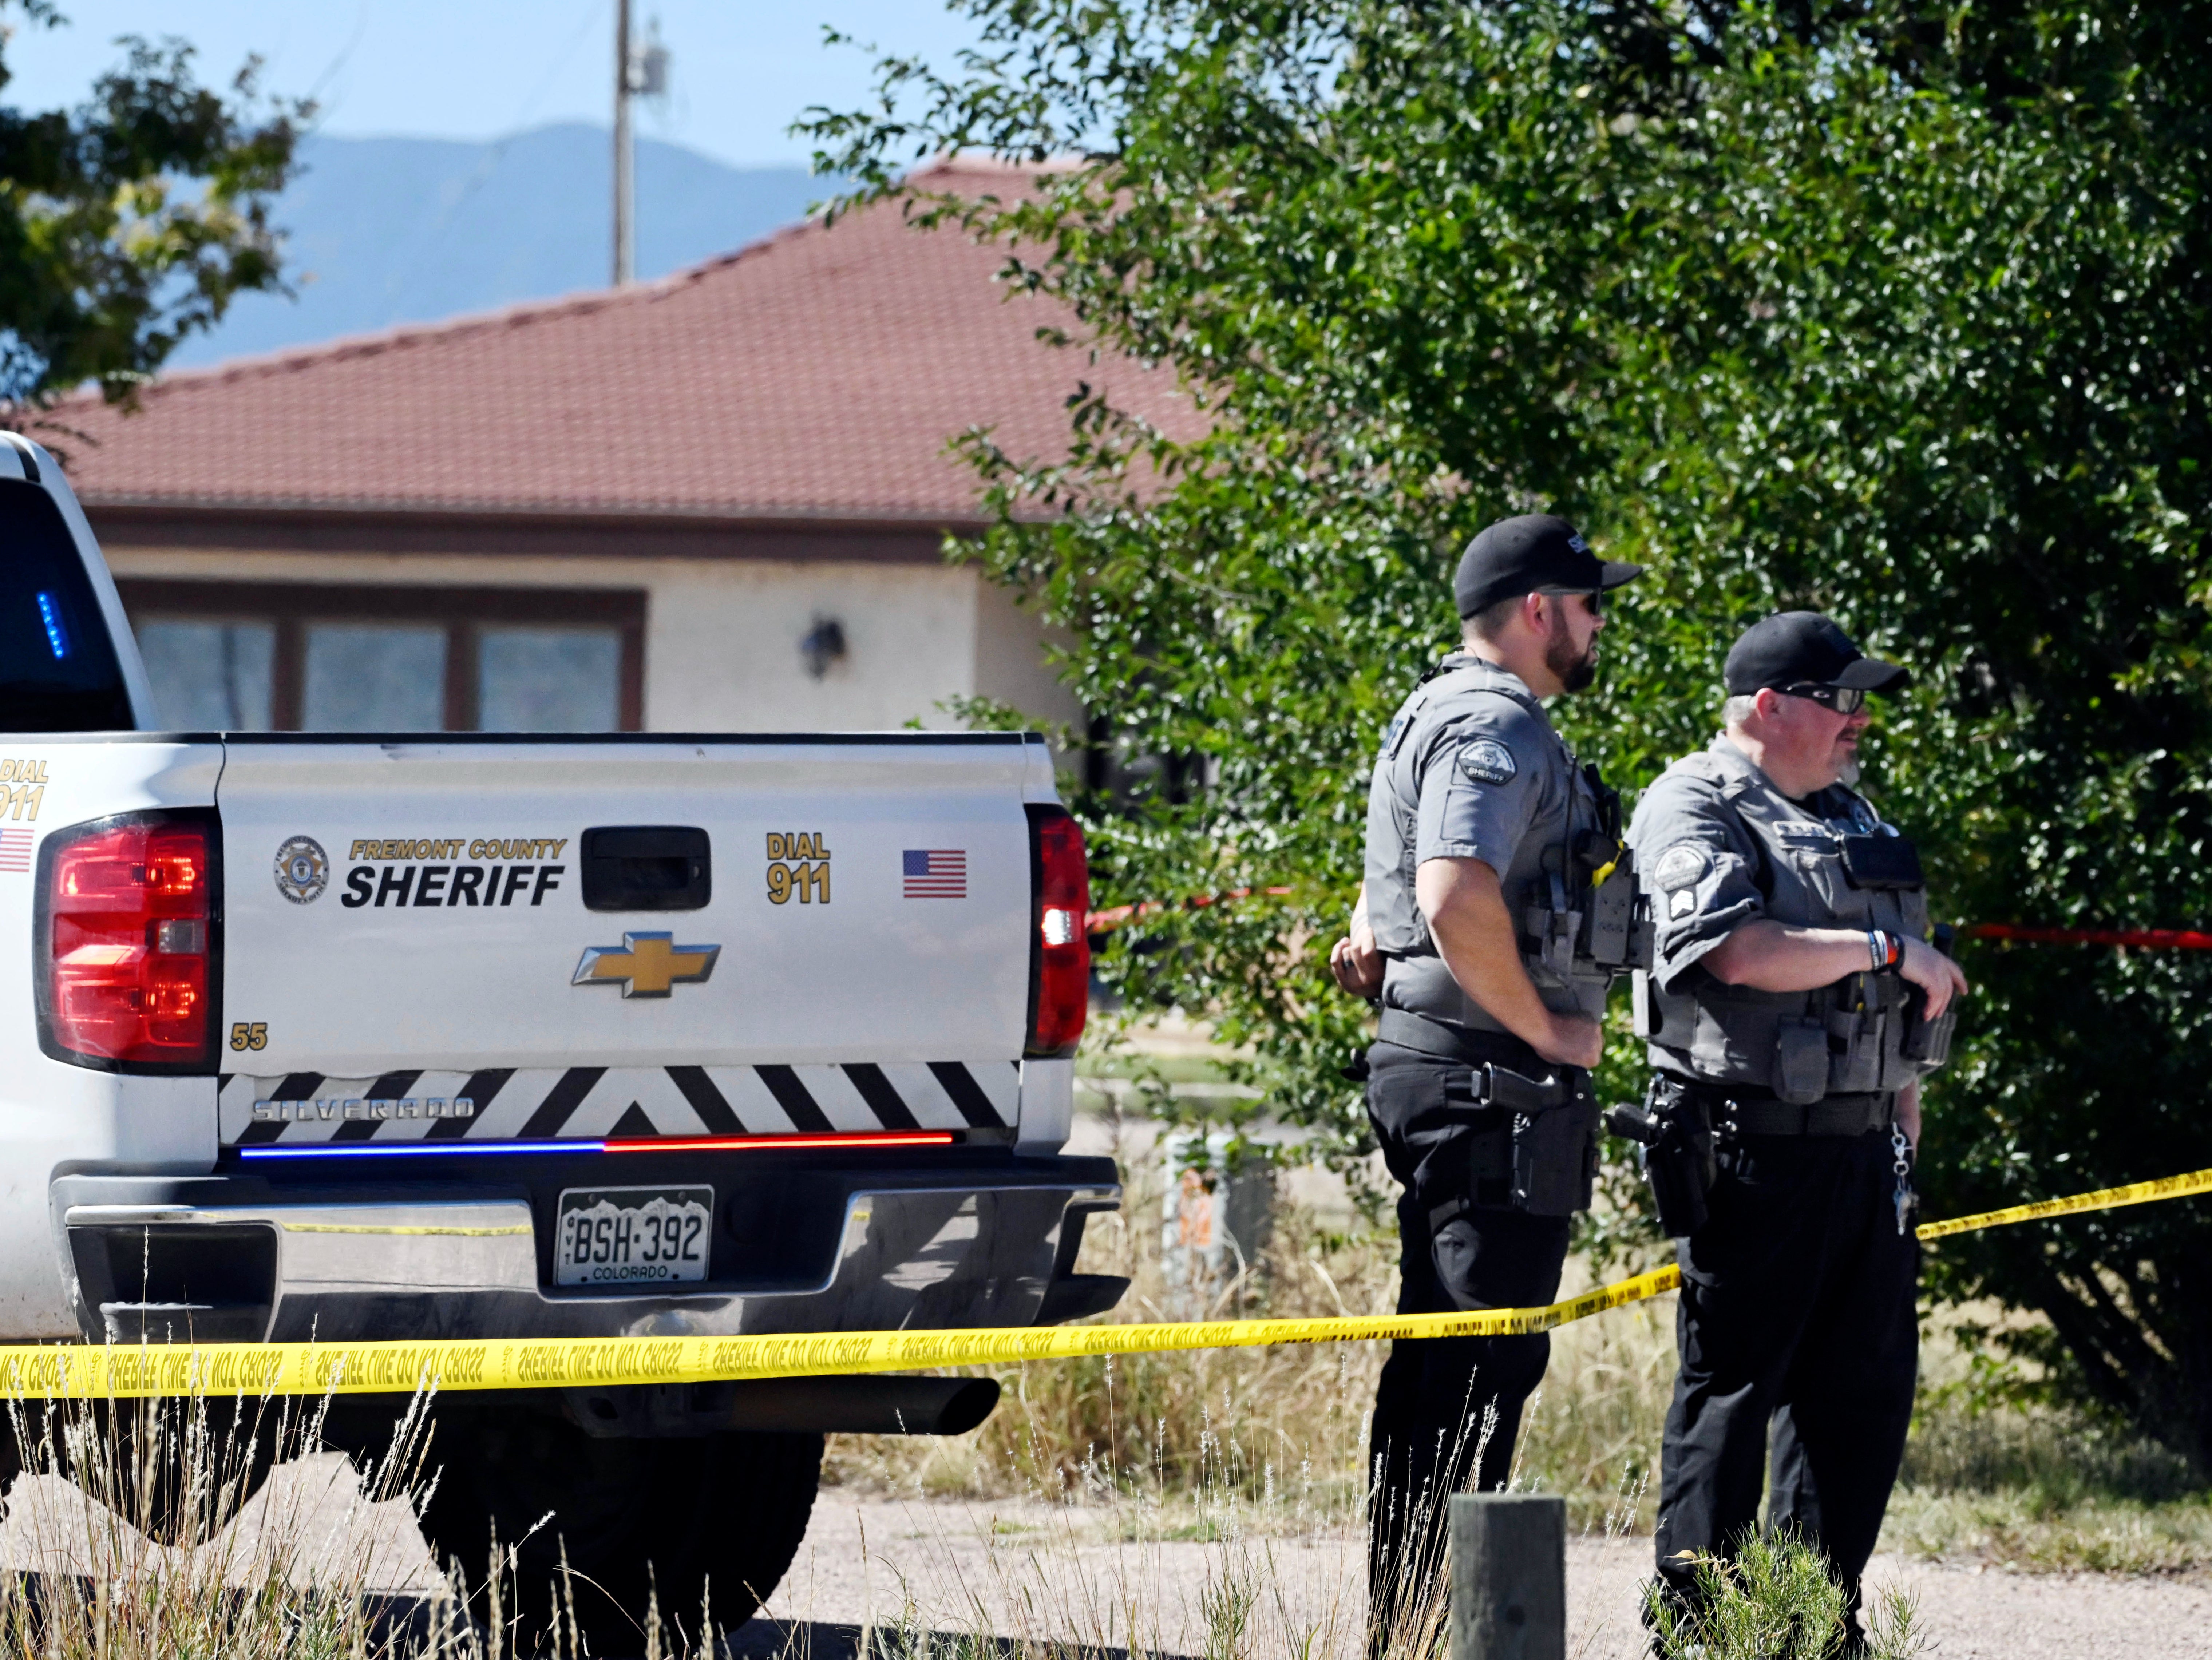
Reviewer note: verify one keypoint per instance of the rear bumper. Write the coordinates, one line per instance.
(801, 1243)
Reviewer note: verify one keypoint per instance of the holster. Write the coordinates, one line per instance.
(1673, 1133)
(1554, 1136)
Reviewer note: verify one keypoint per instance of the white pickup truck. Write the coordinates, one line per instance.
(449, 1035)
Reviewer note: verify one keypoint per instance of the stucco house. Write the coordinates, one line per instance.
(715, 502)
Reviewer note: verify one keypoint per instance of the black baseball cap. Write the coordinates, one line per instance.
(1538, 551)
(1802, 648)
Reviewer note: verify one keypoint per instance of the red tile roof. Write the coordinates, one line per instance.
(816, 375)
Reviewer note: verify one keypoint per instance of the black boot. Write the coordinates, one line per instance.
(1676, 1593)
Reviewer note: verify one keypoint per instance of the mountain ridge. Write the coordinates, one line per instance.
(386, 232)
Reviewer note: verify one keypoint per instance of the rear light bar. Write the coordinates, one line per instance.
(128, 949)
(770, 1143)
(414, 1149)
(1060, 948)
(612, 1143)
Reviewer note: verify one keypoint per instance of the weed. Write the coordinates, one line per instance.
(1775, 1601)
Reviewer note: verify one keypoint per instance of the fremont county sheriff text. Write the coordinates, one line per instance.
(413, 883)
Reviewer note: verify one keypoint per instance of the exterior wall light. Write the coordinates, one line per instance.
(822, 646)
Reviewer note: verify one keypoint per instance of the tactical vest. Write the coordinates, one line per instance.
(1577, 934)
(1839, 1039)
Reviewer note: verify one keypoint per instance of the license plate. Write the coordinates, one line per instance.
(632, 1236)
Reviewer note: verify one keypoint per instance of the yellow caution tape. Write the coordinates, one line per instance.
(136, 1372)
(121, 1371)
(2135, 1193)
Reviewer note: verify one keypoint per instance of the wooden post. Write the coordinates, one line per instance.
(1509, 1576)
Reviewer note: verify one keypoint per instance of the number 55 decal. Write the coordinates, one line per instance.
(250, 1034)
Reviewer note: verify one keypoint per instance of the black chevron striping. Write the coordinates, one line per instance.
(480, 1089)
(882, 1100)
(223, 1081)
(791, 1095)
(966, 1095)
(294, 1086)
(706, 1100)
(390, 1087)
(634, 1122)
(566, 1097)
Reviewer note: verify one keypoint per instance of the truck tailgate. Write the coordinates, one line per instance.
(406, 927)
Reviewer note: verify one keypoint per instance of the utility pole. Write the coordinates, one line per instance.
(637, 70)
(625, 154)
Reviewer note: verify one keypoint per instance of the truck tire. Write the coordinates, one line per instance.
(131, 1455)
(638, 1518)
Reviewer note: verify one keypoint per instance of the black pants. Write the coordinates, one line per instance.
(1797, 1309)
(1448, 1408)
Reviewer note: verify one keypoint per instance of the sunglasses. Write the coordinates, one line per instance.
(1844, 699)
(1591, 596)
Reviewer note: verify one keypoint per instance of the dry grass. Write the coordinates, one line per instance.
(1218, 1443)
(132, 1535)
(1282, 1428)
(2038, 1489)
(125, 1541)
(1998, 1474)
(2020, 1531)
(1273, 1440)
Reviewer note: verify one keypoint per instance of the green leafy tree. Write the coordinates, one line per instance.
(129, 224)
(1898, 313)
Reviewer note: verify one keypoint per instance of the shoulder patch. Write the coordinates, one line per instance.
(1488, 761)
(1680, 866)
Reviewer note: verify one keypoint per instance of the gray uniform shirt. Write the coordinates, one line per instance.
(1471, 768)
(1718, 846)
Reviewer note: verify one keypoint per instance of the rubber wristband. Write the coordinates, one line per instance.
(1896, 949)
(1875, 950)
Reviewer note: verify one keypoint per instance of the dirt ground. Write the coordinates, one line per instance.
(1018, 1570)
(1023, 1570)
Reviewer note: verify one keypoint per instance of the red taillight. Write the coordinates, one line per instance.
(1059, 988)
(127, 936)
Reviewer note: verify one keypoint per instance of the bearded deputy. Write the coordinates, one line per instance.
(1793, 1004)
(1491, 944)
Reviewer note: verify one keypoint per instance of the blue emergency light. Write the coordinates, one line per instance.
(50, 613)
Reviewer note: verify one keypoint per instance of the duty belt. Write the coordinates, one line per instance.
(1756, 1112)
(1409, 1031)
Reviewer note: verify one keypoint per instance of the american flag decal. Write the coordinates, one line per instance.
(936, 873)
(15, 849)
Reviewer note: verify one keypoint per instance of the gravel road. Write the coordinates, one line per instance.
(1023, 1570)
(1030, 1569)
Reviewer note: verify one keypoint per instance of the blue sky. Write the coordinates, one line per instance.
(480, 69)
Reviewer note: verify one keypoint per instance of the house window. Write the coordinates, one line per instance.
(374, 676)
(256, 657)
(548, 679)
(208, 676)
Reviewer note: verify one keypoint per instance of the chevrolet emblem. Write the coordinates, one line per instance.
(645, 965)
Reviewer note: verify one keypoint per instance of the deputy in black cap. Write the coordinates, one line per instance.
(1793, 1003)
(1485, 934)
